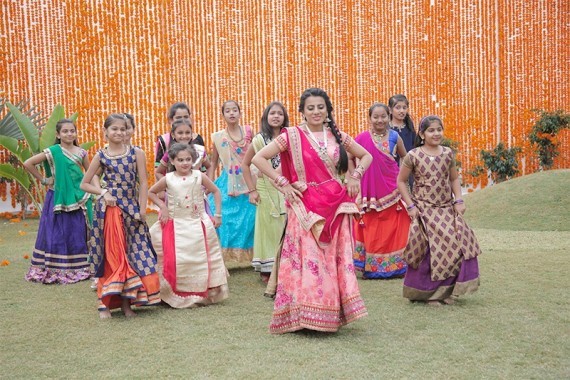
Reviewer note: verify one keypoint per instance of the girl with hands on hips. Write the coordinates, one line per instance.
(189, 257)
(320, 209)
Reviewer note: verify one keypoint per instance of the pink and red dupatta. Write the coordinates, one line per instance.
(379, 187)
(324, 196)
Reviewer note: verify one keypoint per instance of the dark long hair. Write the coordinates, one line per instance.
(424, 124)
(131, 119)
(402, 98)
(177, 147)
(112, 117)
(266, 129)
(342, 165)
(228, 102)
(175, 107)
(376, 105)
(58, 129)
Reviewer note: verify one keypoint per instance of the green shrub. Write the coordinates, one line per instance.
(501, 162)
(543, 135)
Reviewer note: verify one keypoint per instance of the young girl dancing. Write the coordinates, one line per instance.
(190, 262)
(270, 214)
(229, 146)
(400, 120)
(60, 254)
(317, 288)
(120, 246)
(177, 111)
(442, 250)
(381, 235)
(181, 132)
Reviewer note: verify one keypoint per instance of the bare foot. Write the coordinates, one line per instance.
(433, 303)
(126, 308)
(449, 301)
(104, 314)
(265, 277)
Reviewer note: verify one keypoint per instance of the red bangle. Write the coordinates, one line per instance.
(281, 181)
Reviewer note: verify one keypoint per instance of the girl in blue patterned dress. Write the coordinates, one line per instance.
(120, 246)
(238, 215)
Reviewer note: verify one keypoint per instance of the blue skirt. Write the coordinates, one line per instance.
(60, 253)
(238, 222)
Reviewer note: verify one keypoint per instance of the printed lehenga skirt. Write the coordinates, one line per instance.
(381, 238)
(317, 287)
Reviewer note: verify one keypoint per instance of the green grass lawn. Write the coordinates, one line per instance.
(517, 326)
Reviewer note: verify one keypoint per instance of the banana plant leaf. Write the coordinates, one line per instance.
(17, 174)
(88, 145)
(47, 136)
(29, 130)
(17, 148)
(9, 127)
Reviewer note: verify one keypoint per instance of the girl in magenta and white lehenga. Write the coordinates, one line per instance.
(317, 287)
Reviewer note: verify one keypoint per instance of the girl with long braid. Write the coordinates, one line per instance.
(317, 287)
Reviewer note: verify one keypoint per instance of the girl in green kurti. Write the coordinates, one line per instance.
(270, 214)
(60, 254)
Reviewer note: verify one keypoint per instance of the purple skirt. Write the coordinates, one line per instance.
(418, 285)
(60, 253)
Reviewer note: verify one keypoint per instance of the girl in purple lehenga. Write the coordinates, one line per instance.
(60, 254)
(442, 250)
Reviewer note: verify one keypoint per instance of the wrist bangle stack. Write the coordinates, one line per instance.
(458, 201)
(251, 191)
(218, 215)
(410, 207)
(281, 181)
(43, 181)
(357, 173)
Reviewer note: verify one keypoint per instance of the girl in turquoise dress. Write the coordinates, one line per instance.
(238, 215)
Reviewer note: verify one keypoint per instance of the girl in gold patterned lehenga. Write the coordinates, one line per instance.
(190, 264)
(442, 250)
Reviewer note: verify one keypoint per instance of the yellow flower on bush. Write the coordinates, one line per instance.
(22, 233)
(26, 257)
(4, 263)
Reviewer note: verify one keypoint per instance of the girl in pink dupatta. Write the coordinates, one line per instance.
(317, 287)
(382, 233)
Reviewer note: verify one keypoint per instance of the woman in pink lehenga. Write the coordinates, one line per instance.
(317, 287)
